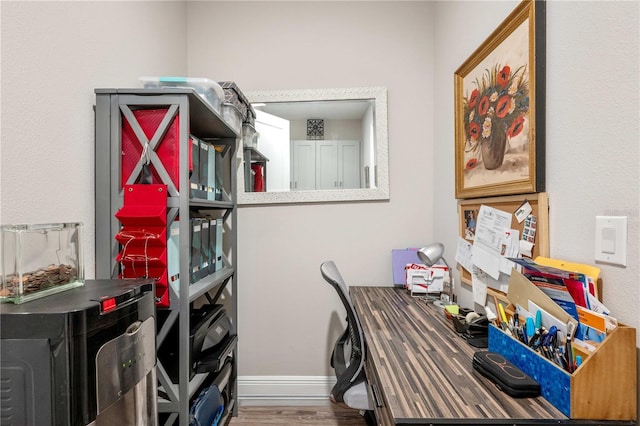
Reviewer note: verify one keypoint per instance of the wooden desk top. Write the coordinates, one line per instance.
(423, 368)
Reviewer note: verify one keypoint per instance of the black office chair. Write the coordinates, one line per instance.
(349, 352)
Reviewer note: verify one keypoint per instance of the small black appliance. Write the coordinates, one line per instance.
(85, 356)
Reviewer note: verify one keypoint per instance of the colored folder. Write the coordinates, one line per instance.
(399, 259)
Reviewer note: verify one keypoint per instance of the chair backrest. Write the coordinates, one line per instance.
(355, 370)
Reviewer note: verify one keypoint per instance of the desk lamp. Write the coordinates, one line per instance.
(429, 255)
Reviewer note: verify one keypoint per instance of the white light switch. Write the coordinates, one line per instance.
(608, 240)
(611, 239)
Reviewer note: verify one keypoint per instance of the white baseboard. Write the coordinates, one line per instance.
(284, 390)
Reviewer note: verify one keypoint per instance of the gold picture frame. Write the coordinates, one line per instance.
(499, 109)
(539, 203)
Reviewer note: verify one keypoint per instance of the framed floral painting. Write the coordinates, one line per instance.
(499, 109)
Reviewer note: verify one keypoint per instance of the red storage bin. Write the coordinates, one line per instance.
(143, 236)
(167, 149)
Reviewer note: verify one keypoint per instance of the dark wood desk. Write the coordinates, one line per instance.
(420, 369)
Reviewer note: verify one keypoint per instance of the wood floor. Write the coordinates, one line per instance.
(298, 416)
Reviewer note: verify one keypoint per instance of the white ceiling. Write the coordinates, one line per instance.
(328, 110)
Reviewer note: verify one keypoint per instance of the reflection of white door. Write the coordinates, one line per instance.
(303, 165)
(337, 164)
(349, 164)
(274, 144)
(327, 165)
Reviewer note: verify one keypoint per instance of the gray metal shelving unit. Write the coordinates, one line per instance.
(206, 124)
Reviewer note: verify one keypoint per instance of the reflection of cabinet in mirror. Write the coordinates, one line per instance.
(303, 165)
(255, 170)
(325, 164)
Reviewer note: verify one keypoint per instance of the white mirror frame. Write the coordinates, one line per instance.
(381, 192)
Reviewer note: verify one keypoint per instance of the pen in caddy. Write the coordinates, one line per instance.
(550, 343)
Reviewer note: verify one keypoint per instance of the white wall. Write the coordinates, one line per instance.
(333, 129)
(289, 316)
(54, 54)
(594, 163)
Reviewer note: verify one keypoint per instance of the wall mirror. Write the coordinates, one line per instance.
(316, 145)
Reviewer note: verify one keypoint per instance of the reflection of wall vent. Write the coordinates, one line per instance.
(315, 129)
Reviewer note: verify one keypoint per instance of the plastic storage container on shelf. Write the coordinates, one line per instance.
(209, 90)
(249, 136)
(232, 116)
(251, 116)
(233, 95)
(39, 260)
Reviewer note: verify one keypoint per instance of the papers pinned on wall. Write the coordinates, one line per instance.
(494, 230)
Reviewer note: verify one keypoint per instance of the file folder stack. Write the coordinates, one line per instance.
(206, 247)
(204, 181)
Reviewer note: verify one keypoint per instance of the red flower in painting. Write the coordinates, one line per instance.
(473, 99)
(503, 106)
(471, 164)
(516, 127)
(503, 76)
(474, 130)
(484, 105)
(497, 105)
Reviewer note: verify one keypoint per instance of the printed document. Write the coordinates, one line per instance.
(487, 245)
